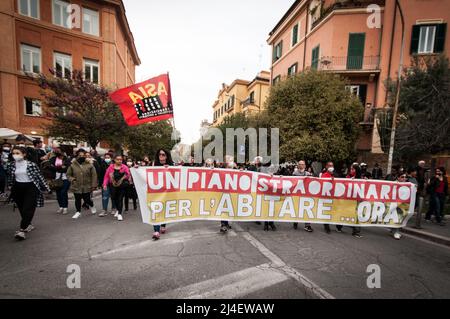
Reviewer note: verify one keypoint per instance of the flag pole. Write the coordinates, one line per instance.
(171, 101)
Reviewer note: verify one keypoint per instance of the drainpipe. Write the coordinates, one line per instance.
(392, 44)
(306, 33)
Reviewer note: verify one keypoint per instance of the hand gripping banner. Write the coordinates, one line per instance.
(177, 194)
(144, 102)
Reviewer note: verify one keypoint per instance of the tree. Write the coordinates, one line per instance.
(79, 110)
(424, 108)
(146, 139)
(317, 117)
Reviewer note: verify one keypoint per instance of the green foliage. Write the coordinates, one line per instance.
(424, 108)
(79, 110)
(317, 117)
(146, 139)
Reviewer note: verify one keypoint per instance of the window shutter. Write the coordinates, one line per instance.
(281, 48)
(415, 39)
(274, 53)
(439, 42)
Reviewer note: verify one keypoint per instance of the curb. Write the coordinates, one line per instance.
(426, 235)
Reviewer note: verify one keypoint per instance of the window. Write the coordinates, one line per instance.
(276, 80)
(29, 8)
(359, 90)
(294, 39)
(232, 100)
(90, 22)
(277, 51)
(251, 98)
(32, 107)
(315, 58)
(60, 14)
(428, 38)
(91, 71)
(31, 59)
(63, 65)
(293, 69)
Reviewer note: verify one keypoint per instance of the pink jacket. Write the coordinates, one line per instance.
(123, 169)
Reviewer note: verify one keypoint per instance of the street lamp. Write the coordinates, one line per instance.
(397, 97)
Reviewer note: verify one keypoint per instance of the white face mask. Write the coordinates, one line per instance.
(18, 158)
(331, 169)
(107, 160)
(130, 164)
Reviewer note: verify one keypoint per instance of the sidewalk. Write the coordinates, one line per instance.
(430, 231)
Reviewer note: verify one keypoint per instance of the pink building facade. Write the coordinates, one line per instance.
(361, 40)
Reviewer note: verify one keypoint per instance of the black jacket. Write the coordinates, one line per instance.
(434, 184)
(58, 169)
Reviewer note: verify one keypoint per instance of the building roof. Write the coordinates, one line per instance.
(120, 8)
(286, 15)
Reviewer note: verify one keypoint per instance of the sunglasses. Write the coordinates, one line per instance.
(162, 154)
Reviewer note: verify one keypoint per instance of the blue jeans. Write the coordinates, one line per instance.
(106, 195)
(437, 203)
(62, 194)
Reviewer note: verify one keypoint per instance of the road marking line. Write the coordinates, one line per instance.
(178, 237)
(234, 285)
(280, 264)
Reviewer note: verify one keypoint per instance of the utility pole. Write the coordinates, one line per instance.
(397, 97)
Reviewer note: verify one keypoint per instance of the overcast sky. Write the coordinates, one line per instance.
(202, 44)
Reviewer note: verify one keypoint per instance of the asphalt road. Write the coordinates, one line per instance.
(193, 260)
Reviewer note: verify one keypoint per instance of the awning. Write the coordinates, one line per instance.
(8, 135)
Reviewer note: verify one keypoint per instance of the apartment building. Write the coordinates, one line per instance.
(361, 40)
(241, 96)
(39, 35)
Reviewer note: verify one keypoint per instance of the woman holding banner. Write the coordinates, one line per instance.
(355, 172)
(162, 158)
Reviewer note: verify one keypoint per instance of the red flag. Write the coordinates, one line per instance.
(144, 102)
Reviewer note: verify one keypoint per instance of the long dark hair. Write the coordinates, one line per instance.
(168, 158)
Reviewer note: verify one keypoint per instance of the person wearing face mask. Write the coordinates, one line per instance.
(32, 156)
(58, 165)
(117, 177)
(130, 192)
(329, 173)
(83, 179)
(27, 184)
(301, 171)
(438, 190)
(106, 193)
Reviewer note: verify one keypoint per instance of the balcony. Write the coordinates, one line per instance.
(350, 64)
(345, 4)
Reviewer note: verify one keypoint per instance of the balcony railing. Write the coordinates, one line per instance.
(346, 4)
(349, 63)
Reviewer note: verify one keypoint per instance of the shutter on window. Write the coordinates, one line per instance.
(439, 42)
(415, 39)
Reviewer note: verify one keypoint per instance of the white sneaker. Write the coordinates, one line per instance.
(60, 210)
(102, 213)
(20, 235)
(77, 214)
(119, 217)
(93, 210)
(29, 228)
(116, 214)
(64, 212)
(397, 235)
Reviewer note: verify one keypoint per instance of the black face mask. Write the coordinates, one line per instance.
(81, 160)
